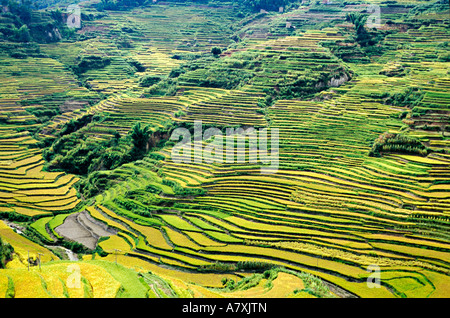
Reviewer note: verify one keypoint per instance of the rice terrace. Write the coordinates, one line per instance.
(225, 149)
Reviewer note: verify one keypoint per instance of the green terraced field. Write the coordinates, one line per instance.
(344, 195)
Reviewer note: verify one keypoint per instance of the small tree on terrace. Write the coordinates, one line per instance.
(359, 20)
(5, 252)
(216, 50)
(140, 137)
(23, 34)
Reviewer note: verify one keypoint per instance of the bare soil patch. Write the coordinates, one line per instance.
(82, 228)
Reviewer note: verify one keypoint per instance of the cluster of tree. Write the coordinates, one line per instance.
(369, 39)
(409, 98)
(348, 52)
(20, 24)
(241, 68)
(180, 191)
(19, 13)
(254, 266)
(134, 206)
(257, 266)
(305, 86)
(165, 87)
(217, 267)
(12, 33)
(216, 50)
(43, 113)
(217, 73)
(119, 5)
(22, 10)
(76, 124)
(95, 183)
(429, 7)
(136, 64)
(397, 143)
(74, 246)
(149, 80)
(359, 20)
(252, 280)
(74, 153)
(397, 71)
(85, 157)
(299, 87)
(6, 251)
(17, 49)
(222, 78)
(90, 62)
(144, 138)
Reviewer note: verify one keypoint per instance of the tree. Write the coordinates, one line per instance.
(359, 20)
(140, 137)
(149, 80)
(216, 50)
(5, 253)
(22, 10)
(23, 34)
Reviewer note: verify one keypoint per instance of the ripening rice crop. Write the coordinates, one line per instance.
(22, 246)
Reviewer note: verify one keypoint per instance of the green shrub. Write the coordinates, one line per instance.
(218, 267)
(216, 50)
(180, 191)
(75, 247)
(149, 80)
(397, 143)
(254, 265)
(19, 55)
(75, 124)
(231, 284)
(91, 62)
(410, 98)
(445, 57)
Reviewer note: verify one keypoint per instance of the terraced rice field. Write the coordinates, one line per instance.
(329, 209)
(25, 188)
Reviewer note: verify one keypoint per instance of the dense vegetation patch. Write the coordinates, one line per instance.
(91, 62)
(75, 153)
(19, 23)
(312, 284)
(6, 251)
(397, 143)
(259, 68)
(409, 98)
(221, 267)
